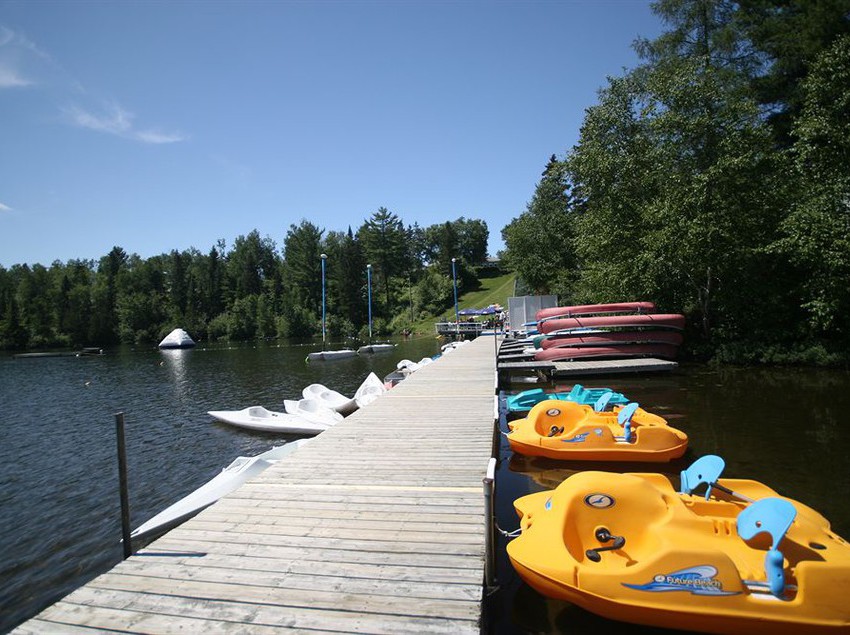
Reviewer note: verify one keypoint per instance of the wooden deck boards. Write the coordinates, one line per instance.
(376, 525)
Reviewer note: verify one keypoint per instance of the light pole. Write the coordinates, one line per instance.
(324, 258)
(369, 293)
(454, 282)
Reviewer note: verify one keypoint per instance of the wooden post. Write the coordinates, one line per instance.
(122, 481)
(489, 520)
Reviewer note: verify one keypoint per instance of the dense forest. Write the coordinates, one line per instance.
(249, 290)
(714, 180)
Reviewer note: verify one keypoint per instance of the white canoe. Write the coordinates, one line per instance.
(258, 418)
(240, 470)
(327, 356)
(371, 388)
(376, 348)
(330, 398)
(312, 409)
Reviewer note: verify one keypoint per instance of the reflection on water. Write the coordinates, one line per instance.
(787, 428)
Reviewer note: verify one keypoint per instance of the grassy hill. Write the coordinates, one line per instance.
(496, 287)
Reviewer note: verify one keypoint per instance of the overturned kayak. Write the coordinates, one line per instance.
(738, 559)
(574, 432)
(598, 337)
(613, 350)
(639, 320)
(594, 309)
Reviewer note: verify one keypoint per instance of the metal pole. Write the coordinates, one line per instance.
(489, 519)
(410, 296)
(457, 314)
(122, 481)
(369, 285)
(324, 258)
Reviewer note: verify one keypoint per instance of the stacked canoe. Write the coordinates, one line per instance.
(607, 331)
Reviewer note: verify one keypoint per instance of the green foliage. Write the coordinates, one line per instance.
(538, 242)
(816, 233)
(385, 247)
(678, 193)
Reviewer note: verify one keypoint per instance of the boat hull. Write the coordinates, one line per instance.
(608, 338)
(569, 431)
(230, 478)
(527, 399)
(283, 423)
(657, 320)
(682, 564)
(594, 309)
(609, 351)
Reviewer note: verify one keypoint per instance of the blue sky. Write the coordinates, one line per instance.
(168, 125)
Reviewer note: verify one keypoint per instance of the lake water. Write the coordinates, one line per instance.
(60, 520)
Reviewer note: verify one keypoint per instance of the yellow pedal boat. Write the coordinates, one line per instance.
(741, 559)
(575, 432)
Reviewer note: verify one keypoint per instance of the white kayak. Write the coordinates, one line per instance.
(239, 471)
(330, 398)
(312, 409)
(327, 356)
(371, 388)
(258, 418)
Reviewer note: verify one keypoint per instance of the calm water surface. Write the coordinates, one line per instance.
(59, 504)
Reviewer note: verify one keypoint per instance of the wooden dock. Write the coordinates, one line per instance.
(511, 363)
(376, 525)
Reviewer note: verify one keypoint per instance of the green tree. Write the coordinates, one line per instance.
(816, 234)
(104, 323)
(537, 243)
(251, 261)
(386, 248)
(302, 250)
(787, 36)
(347, 277)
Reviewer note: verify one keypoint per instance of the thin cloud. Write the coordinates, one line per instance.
(13, 47)
(11, 78)
(21, 59)
(5, 208)
(117, 121)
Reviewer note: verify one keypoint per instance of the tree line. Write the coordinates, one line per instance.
(249, 290)
(712, 179)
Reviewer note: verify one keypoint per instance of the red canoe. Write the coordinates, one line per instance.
(594, 309)
(663, 320)
(615, 351)
(598, 338)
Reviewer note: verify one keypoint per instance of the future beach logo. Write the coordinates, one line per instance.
(697, 580)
